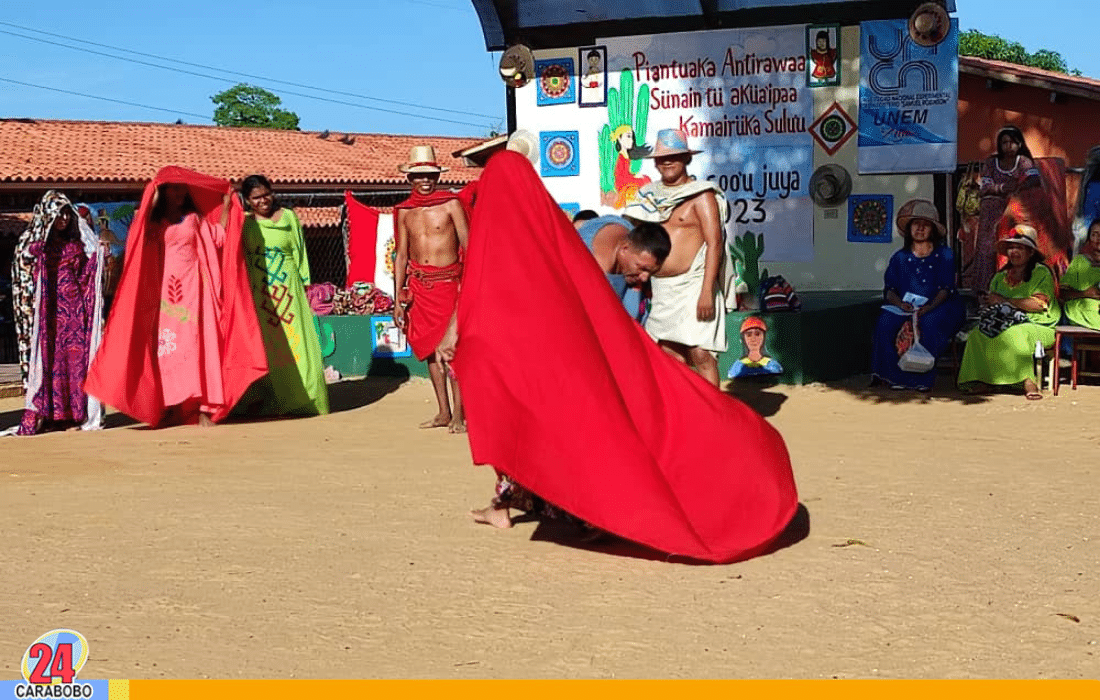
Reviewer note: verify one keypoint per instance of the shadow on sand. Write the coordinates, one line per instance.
(568, 535)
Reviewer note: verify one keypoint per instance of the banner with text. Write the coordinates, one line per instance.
(908, 100)
(740, 95)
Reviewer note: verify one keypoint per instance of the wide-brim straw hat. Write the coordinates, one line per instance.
(1023, 235)
(919, 209)
(929, 24)
(524, 143)
(671, 142)
(422, 160)
(830, 185)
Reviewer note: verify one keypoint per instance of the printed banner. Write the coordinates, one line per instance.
(741, 97)
(908, 100)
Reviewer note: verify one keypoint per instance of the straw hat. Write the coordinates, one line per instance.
(920, 209)
(830, 185)
(929, 24)
(1023, 235)
(422, 160)
(671, 142)
(524, 143)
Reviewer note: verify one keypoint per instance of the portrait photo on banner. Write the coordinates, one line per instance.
(823, 53)
(593, 76)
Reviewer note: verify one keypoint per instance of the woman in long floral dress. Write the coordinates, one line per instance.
(58, 309)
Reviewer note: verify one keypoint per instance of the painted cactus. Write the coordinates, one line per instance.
(622, 116)
(747, 251)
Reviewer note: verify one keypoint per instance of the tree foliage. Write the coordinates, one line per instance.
(975, 43)
(248, 105)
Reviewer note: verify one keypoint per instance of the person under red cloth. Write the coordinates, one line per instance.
(608, 427)
(430, 230)
(126, 372)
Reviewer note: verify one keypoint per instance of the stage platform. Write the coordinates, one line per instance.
(830, 338)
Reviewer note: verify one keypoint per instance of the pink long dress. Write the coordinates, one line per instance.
(188, 343)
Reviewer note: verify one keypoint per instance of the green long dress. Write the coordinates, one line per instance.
(279, 272)
(1081, 275)
(1009, 358)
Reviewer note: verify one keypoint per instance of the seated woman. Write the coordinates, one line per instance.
(920, 279)
(1080, 286)
(1019, 310)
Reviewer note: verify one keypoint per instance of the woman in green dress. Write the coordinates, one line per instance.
(1081, 283)
(279, 272)
(1022, 300)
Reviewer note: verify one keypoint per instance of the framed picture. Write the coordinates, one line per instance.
(387, 340)
(870, 218)
(559, 153)
(592, 78)
(557, 83)
(823, 60)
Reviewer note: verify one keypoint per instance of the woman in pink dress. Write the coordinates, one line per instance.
(188, 349)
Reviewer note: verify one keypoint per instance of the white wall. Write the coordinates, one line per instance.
(836, 264)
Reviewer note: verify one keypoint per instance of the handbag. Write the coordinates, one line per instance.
(916, 359)
(968, 201)
(996, 319)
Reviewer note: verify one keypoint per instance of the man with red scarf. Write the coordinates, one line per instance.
(431, 233)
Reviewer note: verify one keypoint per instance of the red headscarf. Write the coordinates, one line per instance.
(124, 373)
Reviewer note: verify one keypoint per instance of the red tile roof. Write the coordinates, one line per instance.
(1035, 77)
(39, 150)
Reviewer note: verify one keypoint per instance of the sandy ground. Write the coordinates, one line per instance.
(948, 537)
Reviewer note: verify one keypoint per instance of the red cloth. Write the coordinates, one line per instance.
(362, 240)
(433, 292)
(124, 373)
(569, 397)
(417, 200)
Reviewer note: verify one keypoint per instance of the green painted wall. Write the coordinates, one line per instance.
(829, 339)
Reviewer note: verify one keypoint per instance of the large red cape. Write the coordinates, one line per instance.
(124, 373)
(568, 396)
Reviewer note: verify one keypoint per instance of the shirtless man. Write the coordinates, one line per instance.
(431, 236)
(688, 316)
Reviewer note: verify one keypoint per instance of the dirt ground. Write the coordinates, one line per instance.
(948, 537)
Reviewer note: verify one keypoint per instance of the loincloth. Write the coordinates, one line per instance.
(673, 314)
(432, 294)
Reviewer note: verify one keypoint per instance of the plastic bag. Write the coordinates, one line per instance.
(916, 359)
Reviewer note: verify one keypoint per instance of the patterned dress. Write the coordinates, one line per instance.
(279, 272)
(1024, 173)
(58, 305)
(65, 313)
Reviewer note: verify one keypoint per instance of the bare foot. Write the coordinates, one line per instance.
(1031, 390)
(497, 517)
(458, 425)
(441, 420)
(205, 421)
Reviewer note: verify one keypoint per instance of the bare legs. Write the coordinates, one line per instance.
(455, 421)
(700, 360)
